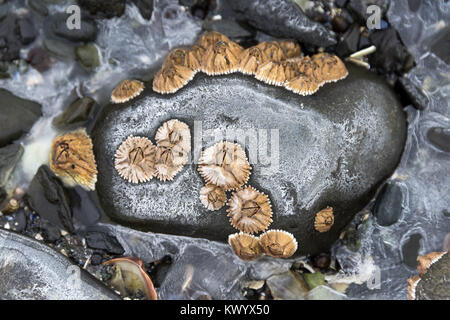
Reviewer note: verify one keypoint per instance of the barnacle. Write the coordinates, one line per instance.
(175, 137)
(425, 262)
(332, 68)
(195, 56)
(412, 284)
(213, 197)
(278, 243)
(251, 59)
(210, 38)
(171, 77)
(271, 72)
(72, 159)
(130, 277)
(273, 50)
(221, 58)
(245, 246)
(291, 49)
(167, 165)
(185, 57)
(135, 159)
(250, 210)
(302, 85)
(224, 165)
(311, 69)
(126, 90)
(324, 220)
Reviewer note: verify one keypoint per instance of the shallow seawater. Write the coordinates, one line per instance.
(383, 258)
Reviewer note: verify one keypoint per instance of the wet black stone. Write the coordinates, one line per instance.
(440, 138)
(435, 284)
(77, 114)
(40, 59)
(47, 197)
(414, 5)
(15, 33)
(283, 19)
(17, 116)
(3, 195)
(391, 54)
(49, 231)
(173, 207)
(322, 261)
(84, 208)
(339, 24)
(364, 42)
(237, 32)
(341, 3)
(389, 205)
(359, 8)
(441, 45)
(410, 250)
(39, 6)
(103, 8)
(9, 157)
(19, 221)
(415, 94)
(349, 42)
(145, 8)
(56, 25)
(103, 241)
(27, 30)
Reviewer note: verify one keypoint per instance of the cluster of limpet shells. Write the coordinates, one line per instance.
(137, 160)
(277, 63)
(225, 167)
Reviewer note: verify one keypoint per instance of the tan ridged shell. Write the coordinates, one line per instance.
(251, 59)
(250, 210)
(271, 72)
(171, 78)
(126, 90)
(278, 243)
(195, 57)
(135, 159)
(245, 246)
(175, 136)
(331, 67)
(302, 85)
(213, 197)
(167, 165)
(290, 48)
(424, 262)
(72, 159)
(324, 220)
(210, 38)
(221, 58)
(272, 50)
(412, 284)
(311, 69)
(225, 165)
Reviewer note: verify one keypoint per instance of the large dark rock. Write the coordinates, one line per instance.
(435, 283)
(9, 157)
(47, 196)
(56, 25)
(103, 8)
(335, 148)
(283, 19)
(390, 203)
(15, 33)
(33, 271)
(17, 116)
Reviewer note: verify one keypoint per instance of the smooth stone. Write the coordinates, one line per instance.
(410, 250)
(39, 6)
(282, 19)
(17, 116)
(15, 33)
(435, 283)
(103, 241)
(390, 203)
(56, 25)
(145, 8)
(418, 98)
(33, 271)
(440, 138)
(103, 8)
(349, 42)
(47, 197)
(335, 148)
(9, 157)
(287, 286)
(88, 56)
(314, 279)
(325, 293)
(3, 195)
(40, 59)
